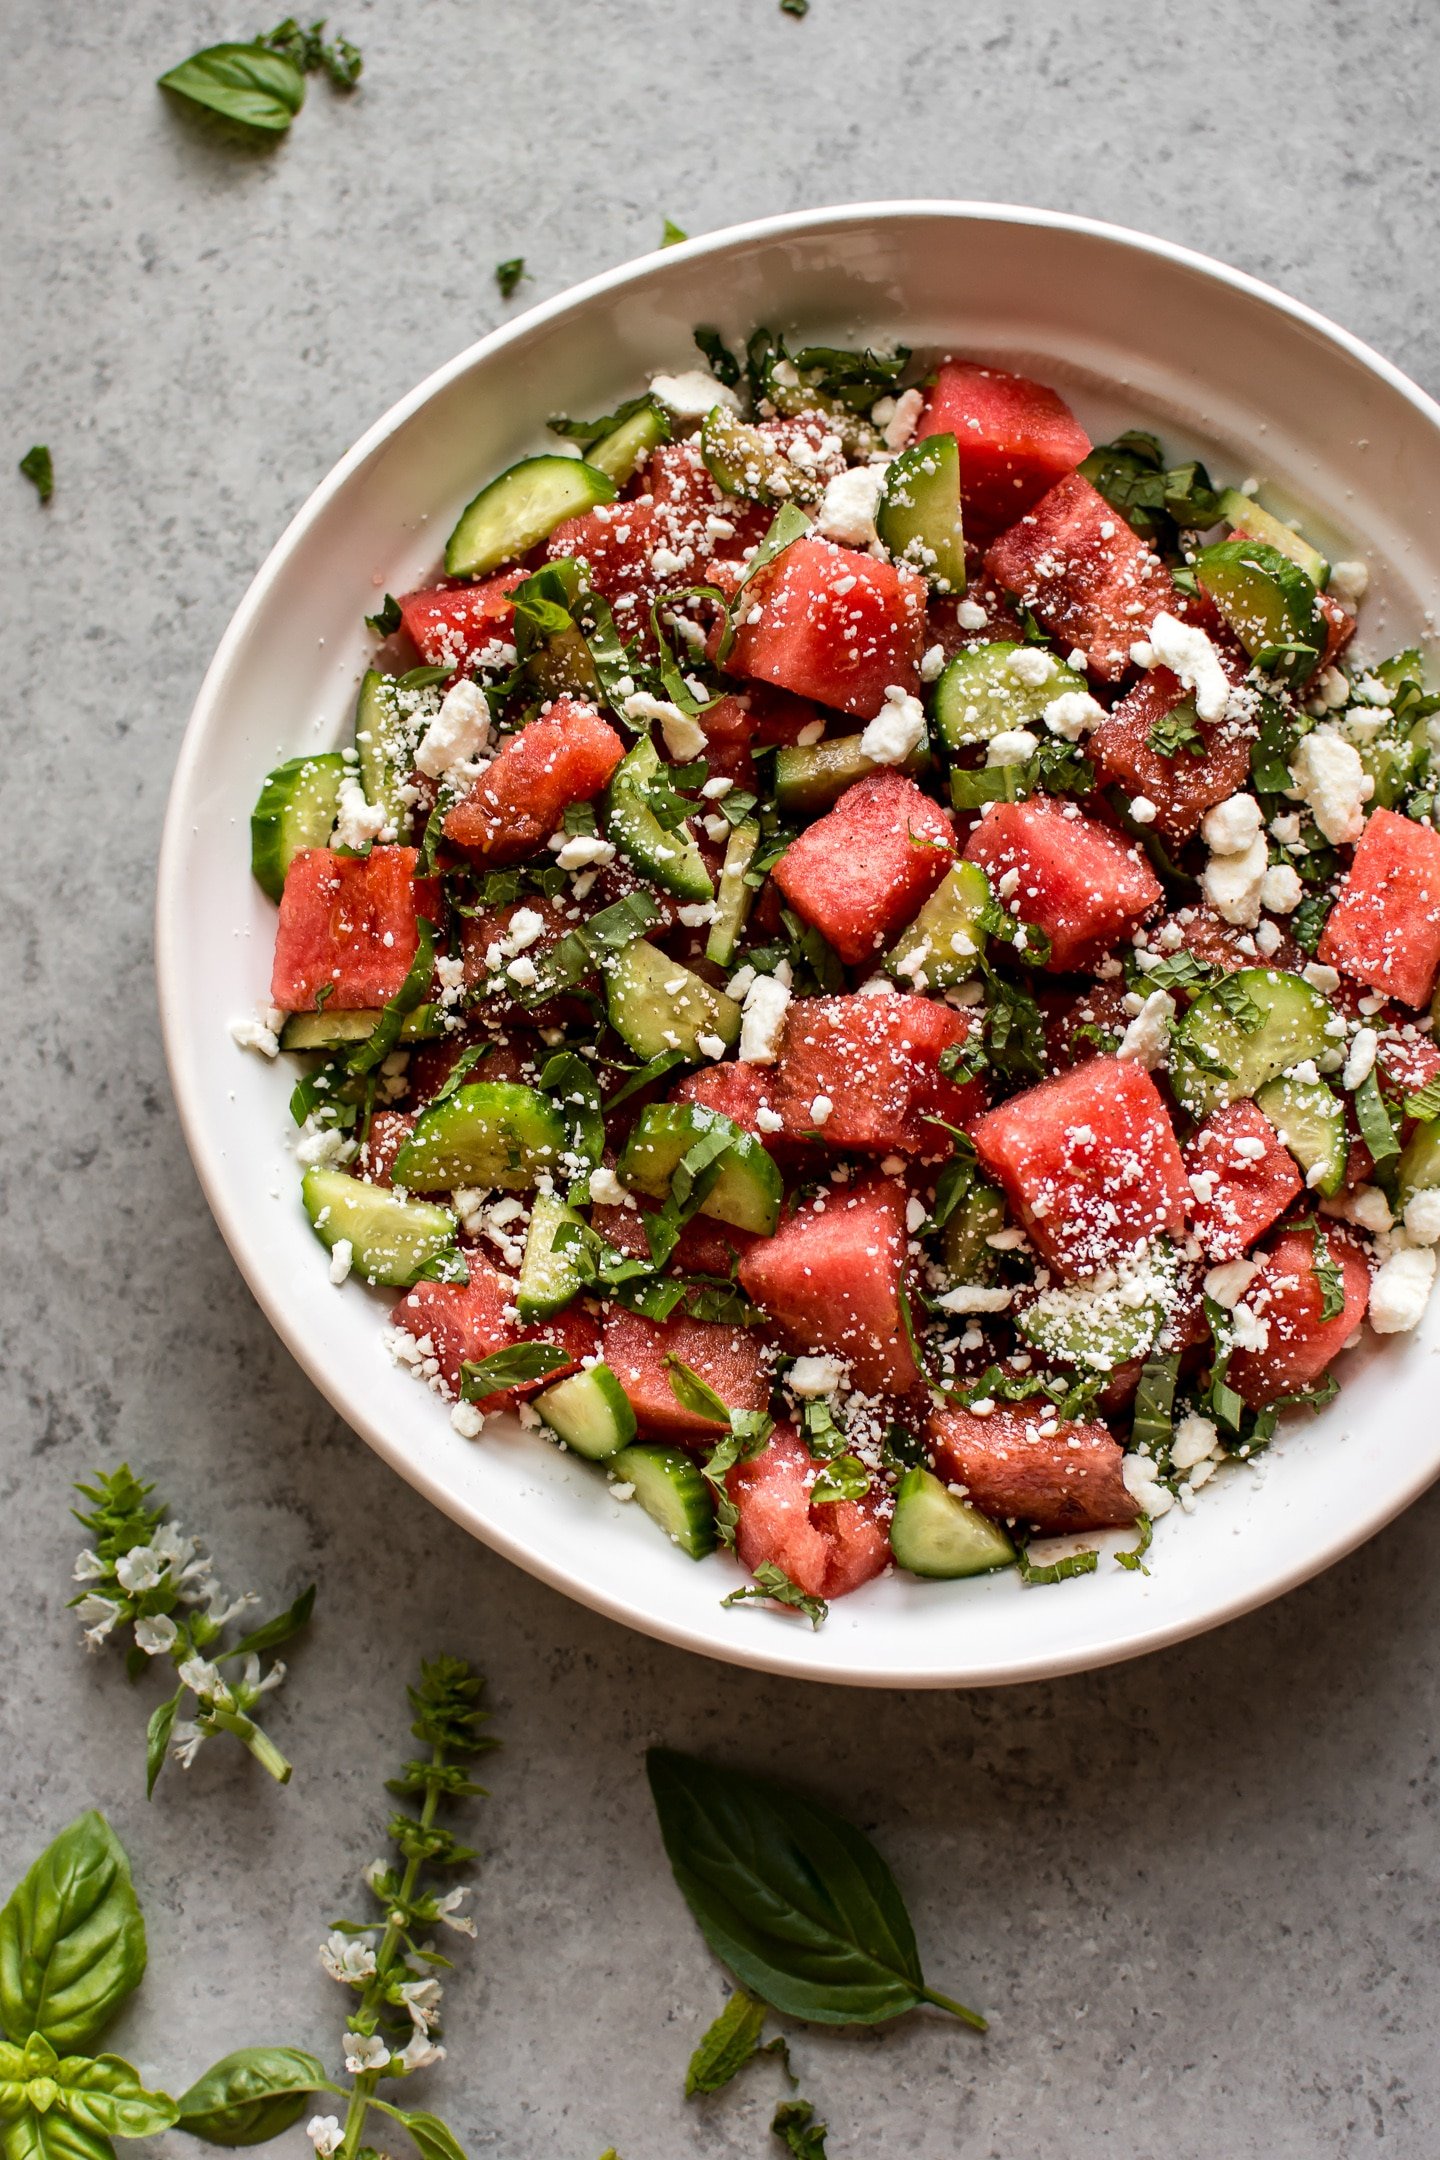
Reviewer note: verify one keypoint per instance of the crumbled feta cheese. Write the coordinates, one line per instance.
(1011, 746)
(1233, 825)
(810, 1377)
(1187, 652)
(1422, 1216)
(581, 850)
(763, 1020)
(1401, 1288)
(468, 1419)
(457, 734)
(810, 733)
(342, 1259)
(606, 1189)
(524, 927)
(1233, 884)
(1142, 810)
(1194, 1439)
(847, 508)
(932, 662)
(1202, 1185)
(357, 822)
(975, 1298)
(897, 730)
(714, 789)
(524, 972)
(1281, 890)
(1360, 1062)
(971, 616)
(1349, 580)
(903, 421)
(1033, 666)
(684, 737)
(1305, 1070)
(1227, 1284)
(1268, 936)
(769, 1120)
(1366, 1207)
(1252, 1331)
(1143, 1484)
(253, 1033)
(820, 1109)
(322, 1147)
(710, 1046)
(1286, 829)
(692, 394)
(1329, 775)
(1073, 714)
(696, 913)
(1147, 1038)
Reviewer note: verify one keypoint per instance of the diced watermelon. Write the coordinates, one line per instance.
(1384, 928)
(737, 1091)
(867, 867)
(1405, 1064)
(448, 624)
(1016, 438)
(1288, 1297)
(1080, 883)
(834, 625)
(431, 1065)
(616, 543)
(565, 756)
(1080, 1024)
(704, 1247)
(1339, 629)
(729, 726)
(1089, 1163)
(465, 1322)
(694, 509)
(1022, 1465)
(1183, 786)
(778, 717)
(832, 1279)
(1091, 580)
(824, 1550)
(502, 1001)
(348, 926)
(389, 1131)
(1220, 944)
(1248, 1191)
(729, 1358)
(877, 1061)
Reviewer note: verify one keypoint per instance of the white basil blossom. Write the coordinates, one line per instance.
(349, 1959)
(447, 1913)
(140, 1569)
(418, 2053)
(89, 1567)
(325, 2134)
(422, 1999)
(188, 1741)
(97, 1615)
(156, 1636)
(365, 2051)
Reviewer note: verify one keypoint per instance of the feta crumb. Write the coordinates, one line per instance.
(525, 926)
(810, 733)
(581, 850)
(714, 789)
(684, 737)
(814, 1376)
(1228, 1283)
(253, 1033)
(902, 422)
(847, 508)
(524, 972)
(975, 1298)
(1072, 714)
(1031, 665)
(1233, 825)
(1194, 1439)
(1349, 580)
(1142, 810)
(606, 1189)
(763, 1020)
(322, 1147)
(769, 1120)
(1233, 884)
(1252, 1332)
(971, 616)
(1366, 1207)
(1360, 1062)
(1333, 782)
(1011, 746)
(1305, 1070)
(692, 394)
(1147, 1038)
(1286, 828)
(1268, 937)
(696, 913)
(342, 1259)
(357, 821)
(1422, 1216)
(897, 730)
(711, 1046)
(468, 1420)
(1401, 1289)
(1281, 890)
(457, 734)
(932, 663)
(1188, 653)
(1142, 1484)
(820, 1109)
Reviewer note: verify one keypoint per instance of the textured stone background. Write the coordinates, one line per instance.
(1196, 1894)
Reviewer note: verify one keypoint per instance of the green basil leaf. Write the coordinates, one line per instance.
(39, 469)
(1424, 1104)
(435, 2139)
(1372, 1114)
(157, 1738)
(844, 1477)
(72, 1942)
(251, 2096)
(785, 529)
(722, 362)
(52, 2136)
(731, 2042)
(1080, 1563)
(508, 275)
(793, 2121)
(694, 1394)
(572, 1085)
(1133, 1556)
(276, 1631)
(793, 1899)
(104, 2093)
(509, 1368)
(387, 620)
(260, 89)
(672, 234)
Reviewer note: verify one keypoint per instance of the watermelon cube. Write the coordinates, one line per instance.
(1089, 1164)
(564, 756)
(464, 1322)
(389, 1131)
(867, 867)
(739, 1092)
(1079, 882)
(348, 928)
(449, 624)
(834, 625)
(832, 1279)
(1090, 580)
(617, 544)
(1184, 785)
(1384, 928)
(1288, 1297)
(1016, 438)
(876, 1060)
(1243, 1179)
(1022, 1464)
(825, 1550)
(729, 1358)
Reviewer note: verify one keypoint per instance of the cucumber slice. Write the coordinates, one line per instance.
(748, 1190)
(1269, 603)
(619, 453)
(1418, 1169)
(393, 1239)
(669, 859)
(589, 1412)
(934, 1532)
(1072, 1326)
(549, 1278)
(979, 696)
(735, 896)
(329, 1030)
(295, 809)
(520, 509)
(811, 776)
(968, 1259)
(655, 1004)
(491, 1133)
(742, 461)
(1394, 764)
(945, 944)
(673, 1493)
(386, 748)
(919, 514)
(1311, 1123)
(1254, 522)
(1293, 1017)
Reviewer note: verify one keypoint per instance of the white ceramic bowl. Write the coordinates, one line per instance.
(1136, 332)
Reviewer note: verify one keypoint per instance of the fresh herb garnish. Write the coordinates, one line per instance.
(143, 1574)
(722, 362)
(731, 2042)
(1035, 1573)
(1132, 1558)
(1236, 1002)
(309, 51)
(262, 85)
(39, 469)
(1424, 1104)
(795, 7)
(1373, 1115)
(773, 1584)
(1328, 1274)
(1153, 1421)
(1176, 731)
(793, 2121)
(512, 1367)
(672, 234)
(508, 275)
(387, 619)
(1132, 476)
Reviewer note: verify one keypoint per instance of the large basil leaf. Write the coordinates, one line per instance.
(260, 89)
(52, 2136)
(796, 1901)
(72, 1942)
(435, 2139)
(252, 2095)
(104, 2093)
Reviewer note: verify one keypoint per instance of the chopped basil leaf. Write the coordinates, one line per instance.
(695, 1394)
(508, 275)
(1177, 971)
(460, 1071)
(772, 1582)
(731, 2042)
(39, 469)
(570, 1083)
(1027, 940)
(672, 234)
(1155, 1403)
(954, 1183)
(1328, 1274)
(588, 432)
(856, 379)
(644, 1076)
(793, 2121)
(1373, 1116)
(795, 7)
(1131, 474)
(786, 527)
(387, 618)
(1274, 746)
(1307, 924)
(1230, 994)
(1014, 1031)
(1080, 1563)
(509, 1368)
(845, 1477)
(1176, 731)
(1424, 1104)
(722, 362)
(308, 51)
(1133, 1556)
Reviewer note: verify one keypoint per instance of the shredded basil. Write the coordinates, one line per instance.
(1424, 1104)
(1372, 1113)
(1176, 731)
(786, 527)
(1153, 1422)
(508, 275)
(387, 618)
(672, 234)
(1236, 1002)
(722, 362)
(1133, 1556)
(1131, 474)
(772, 1582)
(39, 469)
(1080, 1563)
(508, 1368)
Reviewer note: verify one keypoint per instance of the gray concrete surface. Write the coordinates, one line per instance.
(1198, 1895)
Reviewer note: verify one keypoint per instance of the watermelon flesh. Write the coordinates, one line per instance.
(876, 1060)
(831, 624)
(349, 927)
(1088, 578)
(832, 1279)
(1247, 1191)
(867, 867)
(728, 1358)
(1016, 439)
(1182, 787)
(1021, 1464)
(1089, 1164)
(1288, 1297)
(563, 757)
(449, 624)
(464, 1322)
(826, 1550)
(1080, 883)
(1384, 928)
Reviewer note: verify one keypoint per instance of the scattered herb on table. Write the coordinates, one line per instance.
(795, 7)
(794, 2124)
(508, 275)
(144, 1574)
(732, 2041)
(261, 85)
(39, 469)
(672, 234)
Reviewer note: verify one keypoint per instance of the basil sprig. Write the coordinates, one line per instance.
(251, 2096)
(792, 1898)
(261, 85)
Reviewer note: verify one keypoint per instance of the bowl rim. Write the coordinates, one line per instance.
(206, 1154)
